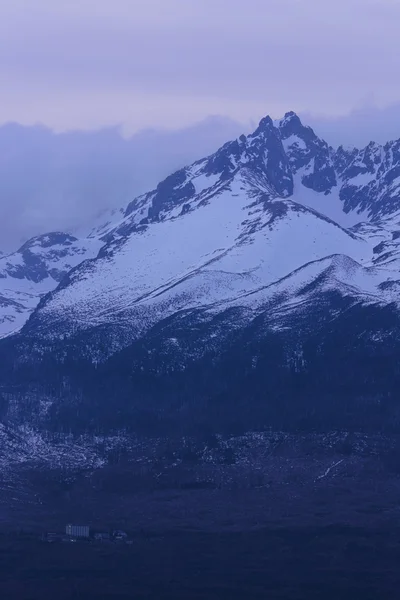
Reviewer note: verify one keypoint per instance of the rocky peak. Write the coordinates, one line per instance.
(56, 238)
(45, 256)
(265, 125)
(307, 154)
(261, 154)
(292, 125)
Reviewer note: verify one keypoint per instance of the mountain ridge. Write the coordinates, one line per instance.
(257, 166)
(243, 260)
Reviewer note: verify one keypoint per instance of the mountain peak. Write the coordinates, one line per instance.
(291, 125)
(266, 124)
(291, 116)
(47, 240)
(290, 120)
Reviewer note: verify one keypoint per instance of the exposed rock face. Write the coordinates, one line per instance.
(257, 287)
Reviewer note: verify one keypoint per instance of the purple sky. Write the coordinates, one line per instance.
(88, 63)
(166, 65)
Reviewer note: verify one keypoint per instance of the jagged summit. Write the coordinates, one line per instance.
(291, 121)
(47, 240)
(291, 125)
(236, 274)
(265, 124)
(221, 230)
(237, 197)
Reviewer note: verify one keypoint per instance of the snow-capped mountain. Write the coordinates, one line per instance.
(34, 270)
(270, 260)
(261, 180)
(262, 217)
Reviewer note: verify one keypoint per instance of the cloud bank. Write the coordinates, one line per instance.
(52, 181)
(167, 64)
(158, 63)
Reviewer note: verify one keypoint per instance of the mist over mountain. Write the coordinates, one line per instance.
(231, 332)
(63, 181)
(360, 126)
(199, 299)
(277, 254)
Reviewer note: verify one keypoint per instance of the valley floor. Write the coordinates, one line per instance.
(252, 488)
(287, 517)
(287, 563)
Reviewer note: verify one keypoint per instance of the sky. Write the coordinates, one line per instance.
(169, 63)
(178, 78)
(64, 181)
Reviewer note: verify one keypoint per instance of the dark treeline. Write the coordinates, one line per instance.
(326, 372)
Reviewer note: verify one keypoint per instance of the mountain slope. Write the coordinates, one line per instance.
(267, 273)
(216, 233)
(34, 270)
(229, 193)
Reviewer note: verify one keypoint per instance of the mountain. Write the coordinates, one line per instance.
(35, 269)
(58, 181)
(232, 229)
(258, 286)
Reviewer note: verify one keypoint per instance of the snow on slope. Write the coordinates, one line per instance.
(34, 270)
(266, 212)
(225, 249)
(334, 273)
(329, 205)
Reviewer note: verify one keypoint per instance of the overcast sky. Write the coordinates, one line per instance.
(88, 63)
(167, 65)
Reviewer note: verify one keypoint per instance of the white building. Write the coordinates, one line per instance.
(78, 531)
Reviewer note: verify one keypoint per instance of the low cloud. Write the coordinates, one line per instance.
(52, 181)
(62, 181)
(359, 127)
